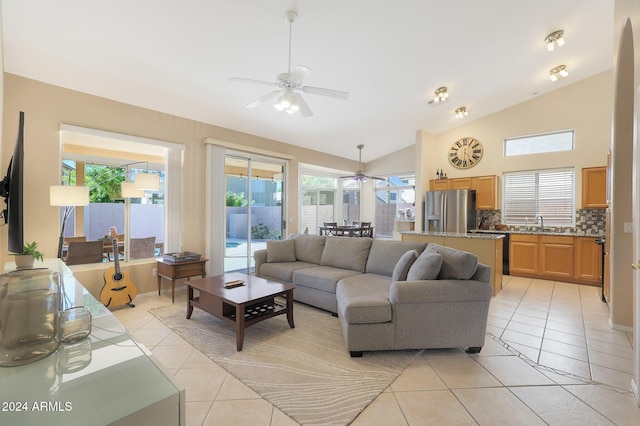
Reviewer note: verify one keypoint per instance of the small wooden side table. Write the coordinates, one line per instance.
(175, 270)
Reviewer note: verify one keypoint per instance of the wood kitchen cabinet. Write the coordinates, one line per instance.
(556, 257)
(461, 183)
(594, 188)
(588, 260)
(486, 192)
(439, 185)
(486, 188)
(523, 255)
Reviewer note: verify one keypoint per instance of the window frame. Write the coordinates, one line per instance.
(387, 186)
(134, 149)
(529, 141)
(510, 216)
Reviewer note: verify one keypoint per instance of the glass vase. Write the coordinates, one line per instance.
(29, 320)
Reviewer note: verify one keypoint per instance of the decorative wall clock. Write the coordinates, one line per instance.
(465, 153)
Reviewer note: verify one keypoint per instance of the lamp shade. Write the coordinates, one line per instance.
(147, 181)
(66, 195)
(129, 190)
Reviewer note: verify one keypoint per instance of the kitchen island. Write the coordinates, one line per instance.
(488, 248)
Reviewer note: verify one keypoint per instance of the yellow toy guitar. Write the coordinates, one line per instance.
(118, 288)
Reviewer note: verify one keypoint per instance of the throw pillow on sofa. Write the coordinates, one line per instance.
(426, 267)
(404, 264)
(308, 247)
(346, 253)
(456, 264)
(281, 251)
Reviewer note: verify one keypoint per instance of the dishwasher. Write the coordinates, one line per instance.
(505, 249)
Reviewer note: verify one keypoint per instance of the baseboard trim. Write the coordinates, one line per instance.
(620, 327)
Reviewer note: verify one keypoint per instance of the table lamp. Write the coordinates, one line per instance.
(67, 196)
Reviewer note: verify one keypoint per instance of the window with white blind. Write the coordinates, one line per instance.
(546, 193)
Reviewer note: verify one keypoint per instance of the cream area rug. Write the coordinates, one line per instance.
(306, 372)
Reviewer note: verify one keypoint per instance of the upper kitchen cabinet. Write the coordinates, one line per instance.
(486, 188)
(461, 183)
(439, 184)
(594, 188)
(486, 192)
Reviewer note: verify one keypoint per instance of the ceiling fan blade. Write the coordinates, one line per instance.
(325, 92)
(298, 75)
(304, 107)
(376, 178)
(249, 80)
(348, 177)
(263, 99)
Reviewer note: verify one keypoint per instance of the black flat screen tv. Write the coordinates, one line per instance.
(11, 190)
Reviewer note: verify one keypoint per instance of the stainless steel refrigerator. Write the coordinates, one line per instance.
(450, 211)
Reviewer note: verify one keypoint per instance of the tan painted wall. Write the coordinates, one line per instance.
(47, 106)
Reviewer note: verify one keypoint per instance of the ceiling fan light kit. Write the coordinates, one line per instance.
(287, 97)
(359, 176)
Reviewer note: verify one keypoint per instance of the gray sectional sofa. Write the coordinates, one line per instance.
(388, 295)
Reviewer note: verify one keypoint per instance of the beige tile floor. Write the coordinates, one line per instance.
(552, 360)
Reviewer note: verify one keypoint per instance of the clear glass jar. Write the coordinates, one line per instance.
(29, 320)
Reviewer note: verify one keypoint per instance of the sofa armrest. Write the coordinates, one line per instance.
(260, 257)
(483, 273)
(435, 291)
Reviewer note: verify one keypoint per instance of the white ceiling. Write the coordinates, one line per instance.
(177, 57)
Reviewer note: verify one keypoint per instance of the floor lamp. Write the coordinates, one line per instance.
(68, 197)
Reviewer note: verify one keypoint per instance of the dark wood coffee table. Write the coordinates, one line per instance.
(242, 306)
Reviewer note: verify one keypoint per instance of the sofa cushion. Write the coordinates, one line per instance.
(321, 277)
(456, 264)
(384, 255)
(308, 248)
(282, 271)
(281, 251)
(346, 253)
(364, 299)
(402, 267)
(427, 266)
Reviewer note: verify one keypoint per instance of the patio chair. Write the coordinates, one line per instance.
(82, 252)
(142, 248)
(365, 230)
(79, 239)
(331, 228)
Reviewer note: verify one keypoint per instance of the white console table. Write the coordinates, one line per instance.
(104, 379)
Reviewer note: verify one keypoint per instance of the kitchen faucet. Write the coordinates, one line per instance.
(541, 222)
(526, 224)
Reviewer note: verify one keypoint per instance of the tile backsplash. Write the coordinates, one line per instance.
(588, 221)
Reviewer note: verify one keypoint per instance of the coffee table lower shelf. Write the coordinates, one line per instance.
(252, 313)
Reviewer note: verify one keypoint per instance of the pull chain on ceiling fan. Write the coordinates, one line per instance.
(359, 176)
(289, 83)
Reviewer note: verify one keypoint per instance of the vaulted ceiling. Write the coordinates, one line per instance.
(177, 57)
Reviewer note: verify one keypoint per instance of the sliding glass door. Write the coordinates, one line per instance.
(254, 208)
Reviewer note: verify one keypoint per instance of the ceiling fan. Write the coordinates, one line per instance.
(289, 85)
(359, 176)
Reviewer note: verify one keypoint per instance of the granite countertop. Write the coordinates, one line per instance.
(482, 236)
(535, 232)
